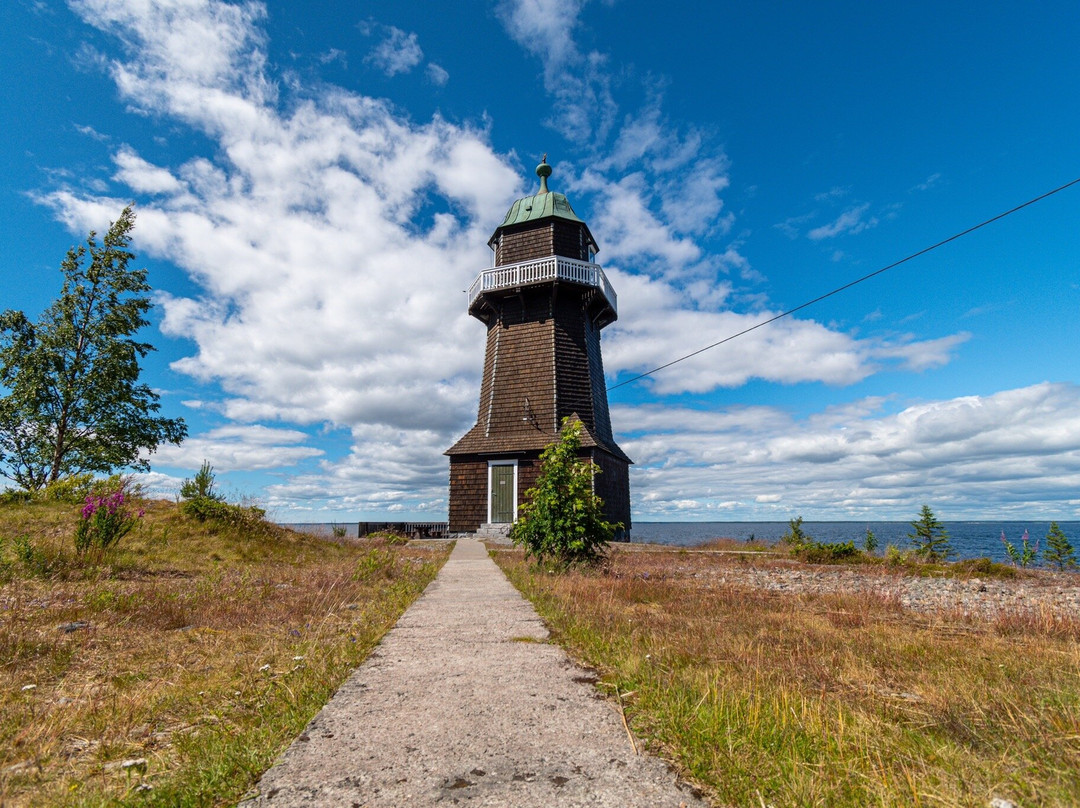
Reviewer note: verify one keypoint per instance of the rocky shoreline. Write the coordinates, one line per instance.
(984, 598)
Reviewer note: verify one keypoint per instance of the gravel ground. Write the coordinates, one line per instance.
(972, 597)
(464, 704)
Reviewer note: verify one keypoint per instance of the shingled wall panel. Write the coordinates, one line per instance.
(612, 485)
(568, 239)
(521, 393)
(468, 506)
(524, 245)
(469, 481)
(574, 388)
(598, 384)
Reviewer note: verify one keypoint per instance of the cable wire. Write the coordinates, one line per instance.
(848, 285)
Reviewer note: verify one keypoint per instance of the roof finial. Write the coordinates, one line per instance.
(543, 171)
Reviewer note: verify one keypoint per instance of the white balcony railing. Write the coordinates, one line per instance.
(542, 270)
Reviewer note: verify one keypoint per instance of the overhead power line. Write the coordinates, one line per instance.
(848, 285)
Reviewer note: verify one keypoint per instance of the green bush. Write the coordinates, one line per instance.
(562, 521)
(213, 510)
(74, 489)
(894, 556)
(870, 543)
(29, 558)
(828, 553)
(202, 502)
(202, 486)
(375, 564)
(985, 568)
(15, 496)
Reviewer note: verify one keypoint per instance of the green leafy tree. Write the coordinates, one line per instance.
(1059, 552)
(74, 403)
(562, 519)
(930, 541)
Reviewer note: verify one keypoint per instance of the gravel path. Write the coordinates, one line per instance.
(462, 705)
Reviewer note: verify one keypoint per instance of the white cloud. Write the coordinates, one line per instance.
(831, 194)
(398, 52)
(666, 325)
(232, 448)
(91, 132)
(971, 457)
(437, 74)
(143, 177)
(157, 485)
(930, 182)
(790, 226)
(334, 55)
(850, 222)
(583, 109)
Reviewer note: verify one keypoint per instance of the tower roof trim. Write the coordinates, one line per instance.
(540, 206)
(543, 204)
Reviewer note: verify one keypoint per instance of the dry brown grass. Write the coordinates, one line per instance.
(736, 545)
(800, 699)
(203, 652)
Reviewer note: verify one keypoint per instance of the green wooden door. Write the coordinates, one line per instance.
(502, 494)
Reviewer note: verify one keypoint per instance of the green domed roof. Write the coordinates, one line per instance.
(541, 205)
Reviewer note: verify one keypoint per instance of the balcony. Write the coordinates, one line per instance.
(545, 270)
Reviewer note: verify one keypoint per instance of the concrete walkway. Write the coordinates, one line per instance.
(454, 708)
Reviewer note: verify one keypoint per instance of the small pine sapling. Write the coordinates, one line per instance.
(1059, 552)
(796, 536)
(870, 543)
(930, 541)
(202, 485)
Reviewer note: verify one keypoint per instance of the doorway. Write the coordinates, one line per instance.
(502, 492)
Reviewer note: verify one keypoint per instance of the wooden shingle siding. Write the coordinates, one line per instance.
(468, 498)
(574, 388)
(598, 385)
(612, 485)
(530, 241)
(522, 386)
(542, 364)
(568, 240)
(523, 245)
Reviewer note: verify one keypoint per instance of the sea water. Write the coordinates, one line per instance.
(967, 539)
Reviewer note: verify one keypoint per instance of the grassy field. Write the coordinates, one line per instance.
(822, 700)
(175, 669)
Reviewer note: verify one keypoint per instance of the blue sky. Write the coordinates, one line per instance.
(316, 183)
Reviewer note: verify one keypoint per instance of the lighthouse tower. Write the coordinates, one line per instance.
(544, 303)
